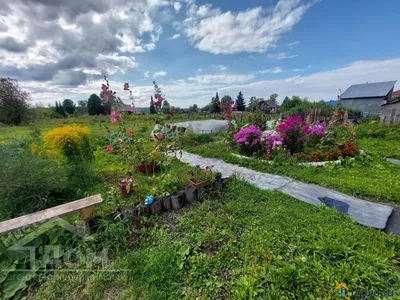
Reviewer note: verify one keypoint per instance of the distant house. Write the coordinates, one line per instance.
(368, 97)
(268, 106)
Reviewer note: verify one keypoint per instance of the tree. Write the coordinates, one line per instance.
(195, 108)
(252, 104)
(226, 99)
(62, 111)
(152, 108)
(82, 107)
(273, 97)
(14, 102)
(215, 104)
(240, 104)
(69, 106)
(94, 105)
(165, 107)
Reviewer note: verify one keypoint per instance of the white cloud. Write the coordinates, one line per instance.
(221, 78)
(324, 85)
(274, 70)
(292, 44)
(252, 30)
(160, 74)
(297, 70)
(281, 55)
(199, 70)
(175, 36)
(220, 67)
(177, 6)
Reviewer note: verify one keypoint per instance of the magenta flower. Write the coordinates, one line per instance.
(113, 119)
(119, 117)
(130, 133)
(249, 135)
(109, 148)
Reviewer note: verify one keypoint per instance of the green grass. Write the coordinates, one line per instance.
(377, 180)
(244, 244)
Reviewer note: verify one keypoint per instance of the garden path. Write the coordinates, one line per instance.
(393, 160)
(364, 212)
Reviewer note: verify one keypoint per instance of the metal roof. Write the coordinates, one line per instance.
(373, 89)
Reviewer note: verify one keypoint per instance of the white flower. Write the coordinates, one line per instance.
(303, 259)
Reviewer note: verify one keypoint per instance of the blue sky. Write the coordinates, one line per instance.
(194, 49)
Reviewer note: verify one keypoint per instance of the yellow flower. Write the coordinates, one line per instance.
(2, 142)
(60, 137)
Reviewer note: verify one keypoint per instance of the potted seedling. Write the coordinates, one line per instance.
(126, 186)
(200, 178)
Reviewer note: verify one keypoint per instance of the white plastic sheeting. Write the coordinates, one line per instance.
(206, 126)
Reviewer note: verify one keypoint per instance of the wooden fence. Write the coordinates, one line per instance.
(390, 117)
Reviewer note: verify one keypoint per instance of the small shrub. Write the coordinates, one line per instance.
(28, 183)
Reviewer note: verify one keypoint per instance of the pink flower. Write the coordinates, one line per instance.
(119, 117)
(105, 97)
(130, 133)
(109, 148)
(104, 88)
(133, 109)
(126, 86)
(112, 116)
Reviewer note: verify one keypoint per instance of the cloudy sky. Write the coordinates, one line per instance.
(60, 49)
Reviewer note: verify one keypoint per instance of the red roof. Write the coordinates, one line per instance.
(396, 93)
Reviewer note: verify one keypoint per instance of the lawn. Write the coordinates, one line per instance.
(241, 243)
(244, 244)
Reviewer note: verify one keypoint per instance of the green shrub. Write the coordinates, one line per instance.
(28, 183)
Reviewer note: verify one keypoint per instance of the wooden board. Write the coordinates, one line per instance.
(49, 214)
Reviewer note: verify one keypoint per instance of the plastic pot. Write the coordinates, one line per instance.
(190, 195)
(166, 203)
(176, 201)
(155, 207)
(200, 184)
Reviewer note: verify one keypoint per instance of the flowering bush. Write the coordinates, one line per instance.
(249, 140)
(292, 131)
(272, 142)
(70, 140)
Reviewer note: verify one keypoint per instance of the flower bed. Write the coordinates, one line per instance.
(316, 142)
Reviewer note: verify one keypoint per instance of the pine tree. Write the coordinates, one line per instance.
(215, 104)
(152, 108)
(240, 104)
(252, 104)
(57, 109)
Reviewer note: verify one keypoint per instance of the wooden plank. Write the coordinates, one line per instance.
(49, 214)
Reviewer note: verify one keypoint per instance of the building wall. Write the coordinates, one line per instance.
(390, 113)
(370, 106)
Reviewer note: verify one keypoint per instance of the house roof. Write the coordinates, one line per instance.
(270, 103)
(396, 93)
(366, 90)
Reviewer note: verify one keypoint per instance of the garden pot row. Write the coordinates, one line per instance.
(176, 200)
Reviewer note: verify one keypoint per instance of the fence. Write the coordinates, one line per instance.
(390, 116)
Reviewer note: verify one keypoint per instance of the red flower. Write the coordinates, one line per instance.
(109, 148)
(168, 126)
(119, 117)
(126, 86)
(156, 96)
(173, 128)
(164, 137)
(130, 133)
